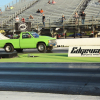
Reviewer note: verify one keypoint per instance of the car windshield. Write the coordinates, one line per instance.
(34, 34)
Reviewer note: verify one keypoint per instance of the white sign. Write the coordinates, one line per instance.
(84, 51)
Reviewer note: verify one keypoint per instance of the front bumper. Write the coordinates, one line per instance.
(52, 43)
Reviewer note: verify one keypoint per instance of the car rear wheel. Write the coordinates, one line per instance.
(49, 48)
(9, 48)
(41, 47)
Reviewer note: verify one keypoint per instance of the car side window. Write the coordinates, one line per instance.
(26, 35)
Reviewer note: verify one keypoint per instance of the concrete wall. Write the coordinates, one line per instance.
(79, 42)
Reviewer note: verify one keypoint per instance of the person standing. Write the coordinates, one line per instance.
(83, 17)
(43, 20)
(63, 18)
(17, 19)
(76, 18)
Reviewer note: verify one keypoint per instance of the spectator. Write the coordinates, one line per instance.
(30, 17)
(83, 17)
(17, 19)
(41, 11)
(11, 7)
(23, 20)
(76, 18)
(43, 20)
(53, 2)
(29, 36)
(63, 18)
(0, 11)
(7, 8)
(98, 2)
(49, 2)
(38, 11)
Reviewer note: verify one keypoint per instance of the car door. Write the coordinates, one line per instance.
(27, 41)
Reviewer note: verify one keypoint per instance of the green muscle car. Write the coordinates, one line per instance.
(27, 40)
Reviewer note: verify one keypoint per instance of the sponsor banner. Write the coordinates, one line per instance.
(84, 51)
(22, 27)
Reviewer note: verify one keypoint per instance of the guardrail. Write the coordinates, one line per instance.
(90, 21)
(37, 23)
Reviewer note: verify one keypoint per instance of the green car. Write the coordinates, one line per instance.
(27, 40)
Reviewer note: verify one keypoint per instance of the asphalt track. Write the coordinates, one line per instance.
(54, 50)
(63, 78)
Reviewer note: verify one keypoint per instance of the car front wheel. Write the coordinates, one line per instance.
(41, 47)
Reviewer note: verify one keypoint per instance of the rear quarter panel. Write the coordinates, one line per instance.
(14, 42)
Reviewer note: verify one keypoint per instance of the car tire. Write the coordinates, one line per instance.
(41, 47)
(49, 48)
(19, 50)
(9, 48)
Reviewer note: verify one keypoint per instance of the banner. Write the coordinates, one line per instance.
(84, 51)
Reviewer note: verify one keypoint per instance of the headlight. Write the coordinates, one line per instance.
(52, 41)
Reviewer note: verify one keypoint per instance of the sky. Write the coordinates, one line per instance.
(5, 2)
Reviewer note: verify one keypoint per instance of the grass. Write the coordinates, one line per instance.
(49, 57)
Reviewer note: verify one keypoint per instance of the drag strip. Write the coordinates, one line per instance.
(65, 78)
(54, 50)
